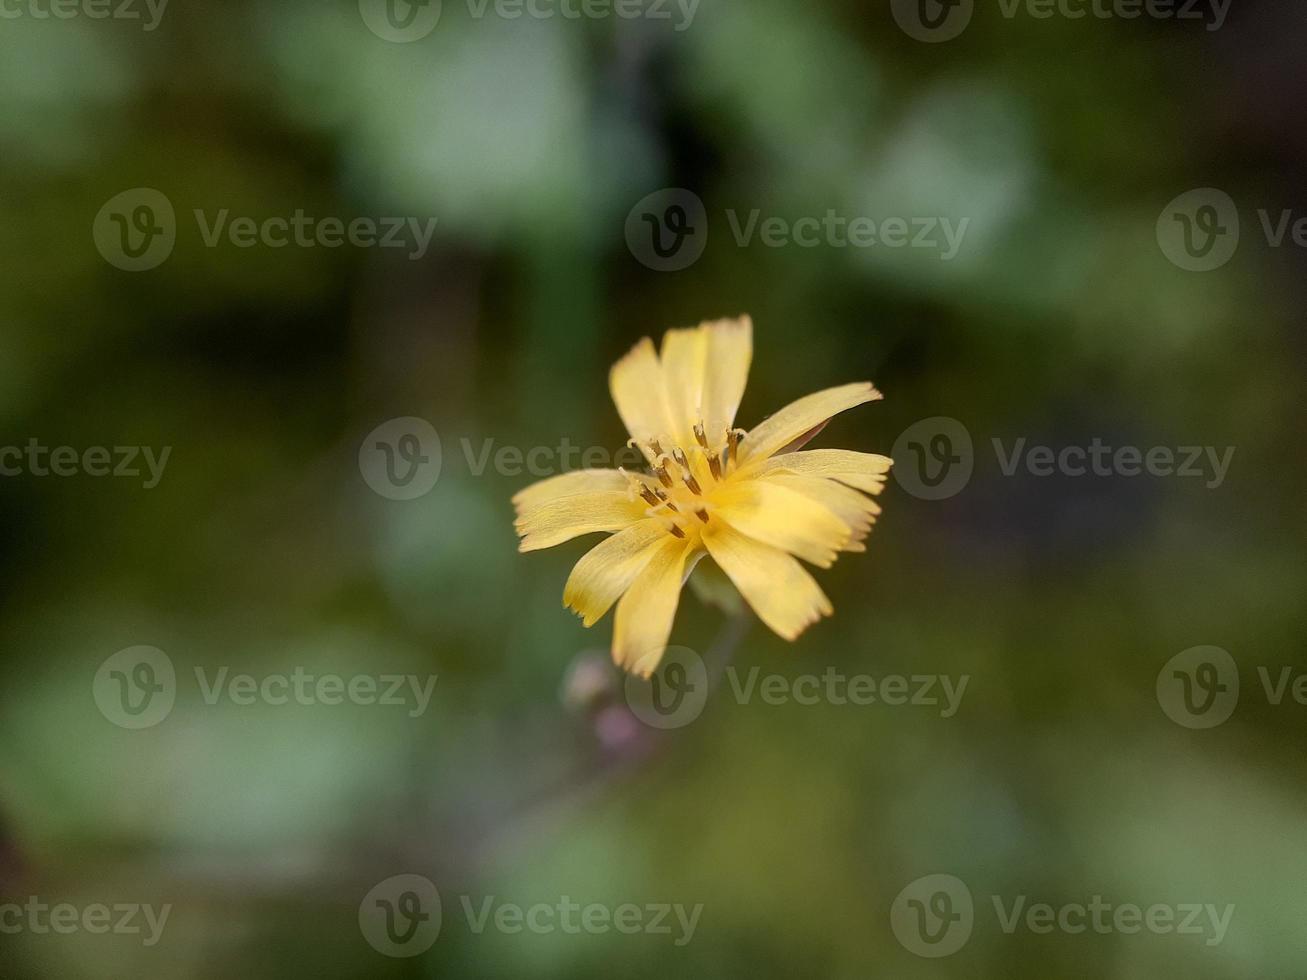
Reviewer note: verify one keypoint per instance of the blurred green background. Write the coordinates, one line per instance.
(263, 549)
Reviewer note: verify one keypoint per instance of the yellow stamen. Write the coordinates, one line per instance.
(715, 465)
(733, 437)
(679, 454)
(663, 498)
(660, 470)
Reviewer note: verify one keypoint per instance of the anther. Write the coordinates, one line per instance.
(702, 515)
(715, 465)
(686, 475)
(699, 435)
(733, 437)
(656, 447)
(664, 499)
(660, 470)
(676, 531)
(649, 496)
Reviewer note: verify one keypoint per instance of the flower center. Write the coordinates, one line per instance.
(687, 479)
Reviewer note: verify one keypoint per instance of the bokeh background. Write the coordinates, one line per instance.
(263, 548)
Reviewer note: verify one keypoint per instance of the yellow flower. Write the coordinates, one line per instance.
(750, 501)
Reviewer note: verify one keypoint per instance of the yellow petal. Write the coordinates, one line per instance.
(636, 384)
(730, 349)
(563, 518)
(566, 484)
(783, 518)
(705, 369)
(684, 357)
(608, 569)
(643, 621)
(859, 512)
(798, 417)
(774, 584)
(863, 471)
